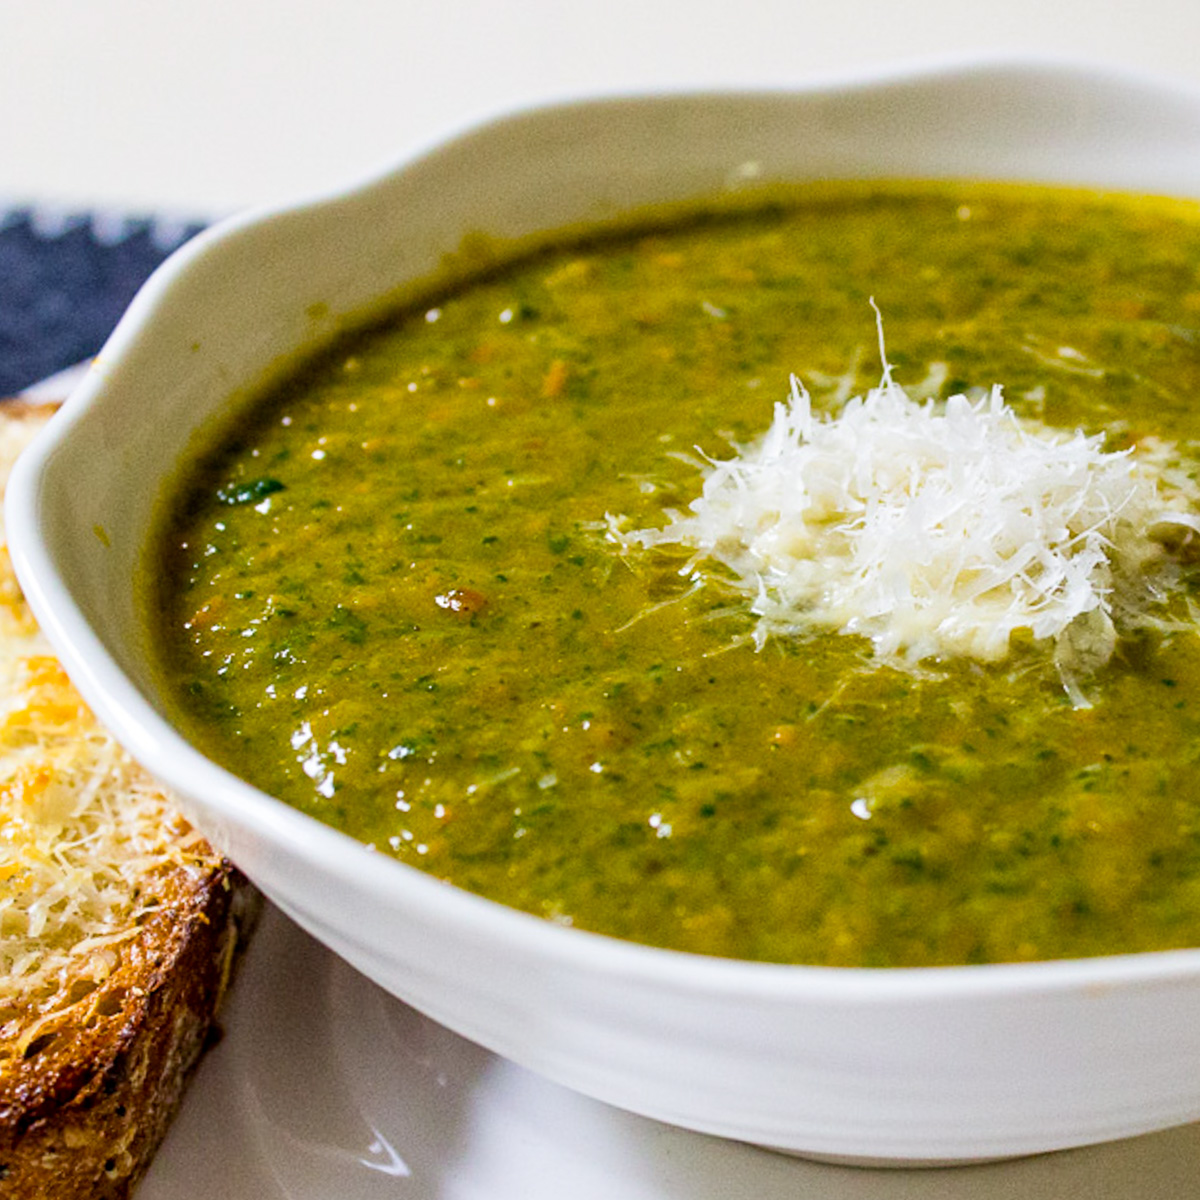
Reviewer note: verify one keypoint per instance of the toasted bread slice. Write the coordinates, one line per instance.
(119, 926)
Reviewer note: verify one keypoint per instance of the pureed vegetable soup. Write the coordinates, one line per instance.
(442, 588)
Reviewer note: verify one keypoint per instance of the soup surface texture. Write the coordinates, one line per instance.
(395, 592)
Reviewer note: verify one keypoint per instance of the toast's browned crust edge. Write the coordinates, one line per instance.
(22, 409)
(84, 1112)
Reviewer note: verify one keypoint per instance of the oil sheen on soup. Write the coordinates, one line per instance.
(504, 585)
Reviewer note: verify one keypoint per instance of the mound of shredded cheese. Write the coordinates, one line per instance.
(935, 529)
(83, 832)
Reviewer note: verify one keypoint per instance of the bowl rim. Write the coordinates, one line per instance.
(157, 744)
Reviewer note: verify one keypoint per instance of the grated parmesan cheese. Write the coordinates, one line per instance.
(84, 833)
(936, 529)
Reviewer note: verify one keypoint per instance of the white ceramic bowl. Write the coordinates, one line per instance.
(945, 1064)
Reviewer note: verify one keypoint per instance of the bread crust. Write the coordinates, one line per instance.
(87, 1103)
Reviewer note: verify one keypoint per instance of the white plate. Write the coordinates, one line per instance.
(327, 1088)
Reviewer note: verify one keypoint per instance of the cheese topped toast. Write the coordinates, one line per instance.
(119, 926)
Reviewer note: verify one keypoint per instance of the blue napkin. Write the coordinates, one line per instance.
(65, 280)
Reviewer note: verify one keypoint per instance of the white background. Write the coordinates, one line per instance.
(202, 108)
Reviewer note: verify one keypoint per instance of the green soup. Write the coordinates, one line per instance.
(387, 594)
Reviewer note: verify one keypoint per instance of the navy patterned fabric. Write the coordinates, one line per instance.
(65, 280)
